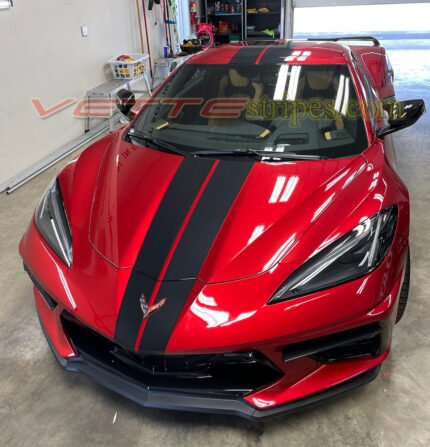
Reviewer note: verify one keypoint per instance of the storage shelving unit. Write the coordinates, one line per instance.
(234, 19)
(244, 25)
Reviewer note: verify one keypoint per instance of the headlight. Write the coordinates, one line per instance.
(354, 255)
(51, 220)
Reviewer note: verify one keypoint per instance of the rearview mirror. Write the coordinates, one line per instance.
(402, 114)
(125, 101)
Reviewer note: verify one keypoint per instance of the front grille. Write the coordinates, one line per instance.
(366, 341)
(230, 374)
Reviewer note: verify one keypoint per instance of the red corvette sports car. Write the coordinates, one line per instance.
(242, 245)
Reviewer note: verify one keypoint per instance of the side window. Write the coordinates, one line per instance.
(372, 103)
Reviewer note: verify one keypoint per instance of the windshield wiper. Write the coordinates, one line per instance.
(210, 153)
(160, 143)
(254, 152)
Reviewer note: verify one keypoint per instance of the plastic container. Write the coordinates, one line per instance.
(234, 38)
(223, 27)
(129, 70)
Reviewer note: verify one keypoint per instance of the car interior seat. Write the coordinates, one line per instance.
(236, 84)
(324, 85)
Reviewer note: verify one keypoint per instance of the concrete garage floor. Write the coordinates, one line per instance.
(41, 405)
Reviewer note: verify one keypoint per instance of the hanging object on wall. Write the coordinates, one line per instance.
(147, 37)
(193, 16)
(4, 4)
(169, 22)
(156, 11)
(151, 4)
(205, 33)
(174, 39)
(139, 16)
(166, 34)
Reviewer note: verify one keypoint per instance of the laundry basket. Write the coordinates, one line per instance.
(127, 69)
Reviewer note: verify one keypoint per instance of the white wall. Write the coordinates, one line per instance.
(42, 55)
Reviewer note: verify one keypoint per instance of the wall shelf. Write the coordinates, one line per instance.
(219, 14)
(238, 21)
(262, 13)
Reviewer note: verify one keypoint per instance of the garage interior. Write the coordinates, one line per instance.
(52, 53)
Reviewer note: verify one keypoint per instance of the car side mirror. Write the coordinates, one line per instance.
(402, 114)
(125, 101)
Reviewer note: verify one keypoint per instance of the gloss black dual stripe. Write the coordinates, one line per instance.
(271, 53)
(192, 250)
(276, 55)
(167, 221)
(246, 55)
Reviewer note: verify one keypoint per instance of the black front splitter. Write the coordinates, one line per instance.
(166, 399)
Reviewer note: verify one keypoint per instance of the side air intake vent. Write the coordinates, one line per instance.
(47, 298)
(370, 340)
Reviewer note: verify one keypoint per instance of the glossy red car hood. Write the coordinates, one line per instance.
(273, 204)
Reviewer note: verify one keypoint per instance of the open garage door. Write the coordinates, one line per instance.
(290, 5)
(313, 3)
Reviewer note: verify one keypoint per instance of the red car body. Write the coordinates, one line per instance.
(156, 224)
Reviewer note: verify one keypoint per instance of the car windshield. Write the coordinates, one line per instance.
(285, 108)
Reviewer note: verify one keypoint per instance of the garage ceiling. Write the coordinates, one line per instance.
(312, 3)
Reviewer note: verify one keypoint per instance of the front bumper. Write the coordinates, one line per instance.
(306, 384)
(135, 391)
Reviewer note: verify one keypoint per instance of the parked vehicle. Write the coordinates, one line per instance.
(242, 245)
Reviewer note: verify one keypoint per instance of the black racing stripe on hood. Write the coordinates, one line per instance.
(193, 248)
(167, 221)
(160, 324)
(130, 314)
(171, 213)
(207, 219)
